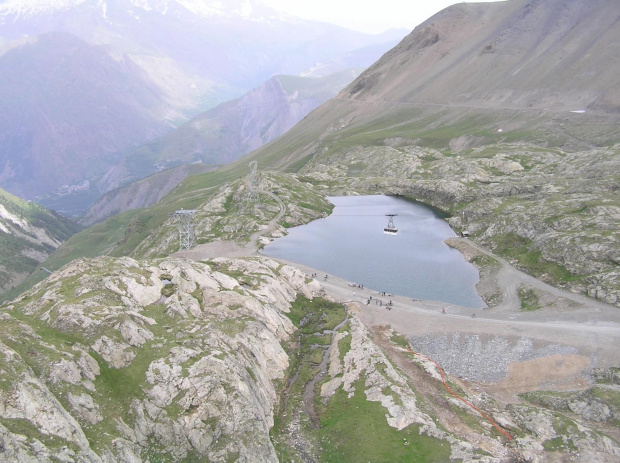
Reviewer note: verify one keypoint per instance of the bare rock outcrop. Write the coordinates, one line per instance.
(97, 364)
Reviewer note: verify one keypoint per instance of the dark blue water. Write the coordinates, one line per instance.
(351, 244)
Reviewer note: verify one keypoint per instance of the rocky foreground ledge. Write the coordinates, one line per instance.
(119, 360)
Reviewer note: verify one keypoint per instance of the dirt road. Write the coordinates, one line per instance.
(590, 330)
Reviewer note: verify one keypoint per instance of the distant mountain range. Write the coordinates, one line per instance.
(233, 129)
(88, 81)
(68, 110)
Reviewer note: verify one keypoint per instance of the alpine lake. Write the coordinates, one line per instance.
(415, 262)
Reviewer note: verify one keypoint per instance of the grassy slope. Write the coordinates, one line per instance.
(349, 429)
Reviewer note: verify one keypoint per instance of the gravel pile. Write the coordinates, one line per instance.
(474, 359)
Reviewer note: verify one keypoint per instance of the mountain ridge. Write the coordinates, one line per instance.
(504, 51)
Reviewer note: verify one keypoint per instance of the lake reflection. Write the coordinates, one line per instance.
(351, 244)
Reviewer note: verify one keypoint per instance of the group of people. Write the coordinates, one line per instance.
(380, 303)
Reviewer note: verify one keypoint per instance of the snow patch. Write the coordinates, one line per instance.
(34, 7)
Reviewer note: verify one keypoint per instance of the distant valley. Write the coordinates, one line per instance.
(233, 129)
(87, 83)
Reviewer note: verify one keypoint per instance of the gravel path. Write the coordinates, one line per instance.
(509, 279)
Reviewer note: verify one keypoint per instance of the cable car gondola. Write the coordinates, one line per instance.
(391, 228)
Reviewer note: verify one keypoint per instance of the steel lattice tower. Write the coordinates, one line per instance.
(186, 228)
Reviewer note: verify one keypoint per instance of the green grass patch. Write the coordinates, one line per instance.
(513, 246)
(558, 445)
(344, 346)
(471, 420)
(485, 261)
(27, 429)
(168, 290)
(316, 356)
(315, 315)
(356, 430)
(400, 340)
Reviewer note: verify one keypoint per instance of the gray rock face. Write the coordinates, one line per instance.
(127, 374)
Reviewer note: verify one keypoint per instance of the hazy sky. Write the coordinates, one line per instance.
(372, 16)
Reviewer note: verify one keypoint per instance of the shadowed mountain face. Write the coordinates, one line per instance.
(67, 111)
(86, 82)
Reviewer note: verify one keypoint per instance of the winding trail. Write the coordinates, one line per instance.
(453, 394)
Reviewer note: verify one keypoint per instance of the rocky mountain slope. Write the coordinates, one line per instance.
(232, 129)
(122, 368)
(115, 359)
(516, 54)
(28, 235)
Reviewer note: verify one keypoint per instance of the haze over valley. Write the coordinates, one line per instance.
(86, 83)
